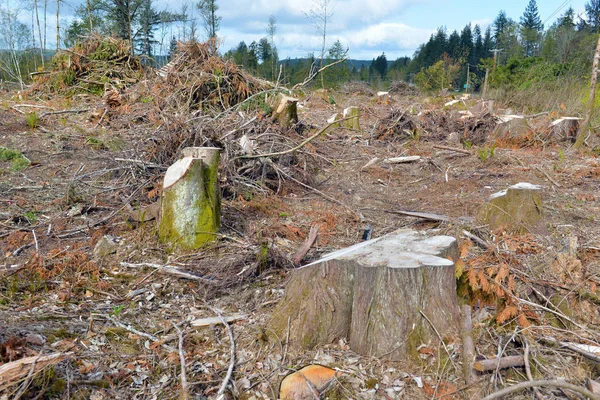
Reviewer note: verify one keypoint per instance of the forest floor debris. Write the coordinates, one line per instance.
(88, 175)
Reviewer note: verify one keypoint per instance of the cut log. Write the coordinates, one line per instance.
(190, 199)
(308, 383)
(352, 123)
(384, 296)
(286, 112)
(516, 210)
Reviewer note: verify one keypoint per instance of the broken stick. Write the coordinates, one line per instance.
(308, 243)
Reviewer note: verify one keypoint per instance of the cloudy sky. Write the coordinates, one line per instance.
(370, 27)
(366, 27)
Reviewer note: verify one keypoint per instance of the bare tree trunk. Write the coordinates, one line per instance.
(45, 24)
(57, 25)
(89, 10)
(583, 130)
(37, 18)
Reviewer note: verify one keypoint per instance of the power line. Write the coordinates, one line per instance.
(556, 11)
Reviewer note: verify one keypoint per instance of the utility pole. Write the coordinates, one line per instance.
(495, 51)
(468, 73)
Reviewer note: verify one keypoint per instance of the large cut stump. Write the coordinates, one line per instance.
(377, 295)
(565, 128)
(353, 115)
(190, 212)
(517, 210)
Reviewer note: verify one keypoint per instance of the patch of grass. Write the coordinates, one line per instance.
(486, 153)
(19, 164)
(32, 119)
(18, 160)
(147, 99)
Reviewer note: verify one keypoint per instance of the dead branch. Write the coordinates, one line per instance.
(304, 143)
(528, 370)
(185, 389)
(314, 74)
(308, 243)
(493, 364)
(463, 151)
(216, 320)
(75, 111)
(530, 384)
(13, 371)
(466, 336)
(477, 240)
(553, 342)
(221, 392)
(168, 269)
(548, 176)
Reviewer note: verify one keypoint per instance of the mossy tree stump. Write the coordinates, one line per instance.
(286, 112)
(517, 209)
(376, 295)
(353, 113)
(190, 201)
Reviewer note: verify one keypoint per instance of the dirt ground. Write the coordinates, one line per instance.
(115, 318)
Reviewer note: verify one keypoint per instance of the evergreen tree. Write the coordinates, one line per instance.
(453, 47)
(499, 24)
(478, 46)
(488, 43)
(592, 11)
(466, 42)
(380, 66)
(144, 37)
(531, 29)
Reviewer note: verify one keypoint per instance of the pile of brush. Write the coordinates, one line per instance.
(91, 66)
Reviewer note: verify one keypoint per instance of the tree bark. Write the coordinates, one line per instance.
(585, 127)
(376, 295)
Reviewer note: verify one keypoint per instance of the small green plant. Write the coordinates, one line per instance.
(468, 144)
(117, 310)
(31, 217)
(147, 99)
(332, 100)
(486, 153)
(32, 119)
(95, 143)
(284, 214)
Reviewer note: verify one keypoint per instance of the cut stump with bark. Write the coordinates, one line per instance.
(353, 113)
(517, 210)
(565, 128)
(384, 296)
(286, 112)
(190, 212)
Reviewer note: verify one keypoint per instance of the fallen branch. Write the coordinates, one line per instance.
(308, 243)
(399, 160)
(14, 371)
(221, 392)
(185, 389)
(477, 240)
(526, 385)
(44, 114)
(304, 143)
(493, 364)
(430, 216)
(463, 151)
(216, 320)
(548, 176)
(466, 337)
(168, 269)
(571, 346)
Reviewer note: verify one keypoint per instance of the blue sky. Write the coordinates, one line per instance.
(370, 27)
(366, 27)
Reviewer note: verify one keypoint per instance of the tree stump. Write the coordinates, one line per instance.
(565, 128)
(512, 127)
(190, 212)
(353, 122)
(384, 296)
(286, 112)
(517, 209)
